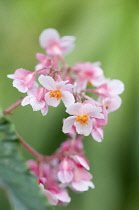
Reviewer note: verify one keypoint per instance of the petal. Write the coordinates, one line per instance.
(67, 43)
(10, 76)
(65, 176)
(84, 129)
(81, 160)
(88, 108)
(116, 87)
(37, 105)
(51, 101)
(41, 57)
(48, 82)
(44, 110)
(21, 74)
(97, 134)
(96, 113)
(68, 86)
(47, 36)
(61, 85)
(91, 184)
(20, 86)
(26, 100)
(80, 186)
(68, 123)
(63, 196)
(75, 109)
(51, 197)
(67, 98)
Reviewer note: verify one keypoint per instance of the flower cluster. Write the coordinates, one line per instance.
(54, 80)
(66, 168)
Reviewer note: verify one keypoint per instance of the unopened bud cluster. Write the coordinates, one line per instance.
(54, 80)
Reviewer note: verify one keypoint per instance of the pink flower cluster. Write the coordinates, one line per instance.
(54, 80)
(66, 168)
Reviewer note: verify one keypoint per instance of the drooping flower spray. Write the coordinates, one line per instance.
(53, 81)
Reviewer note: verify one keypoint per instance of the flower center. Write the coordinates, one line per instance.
(56, 94)
(82, 119)
(106, 106)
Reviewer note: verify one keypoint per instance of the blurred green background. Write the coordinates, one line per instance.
(106, 31)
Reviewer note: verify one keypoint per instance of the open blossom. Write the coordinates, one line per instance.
(23, 80)
(37, 100)
(54, 45)
(110, 88)
(82, 118)
(57, 91)
(88, 73)
(45, 63)
(111, 104)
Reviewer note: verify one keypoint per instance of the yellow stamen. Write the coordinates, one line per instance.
(106, 106)
(82, 119)
(56, 94)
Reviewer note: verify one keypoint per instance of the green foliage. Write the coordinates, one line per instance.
(15, 177)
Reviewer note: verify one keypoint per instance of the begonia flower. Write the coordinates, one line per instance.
(82, 118)
(45, 63)
(24, 80)
(57, 91)
(37, 100)
(110, 88)
(111, 104)
(88, 73)
(54, 45)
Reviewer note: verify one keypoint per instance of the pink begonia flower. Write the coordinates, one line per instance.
(54, 45)
(82, 119)
(56, 195)
(81, 180)
(45, 62)
(88, 73)
(65, 171)
(37, 101)
(23, 80)
(110, 88)
(111, 104)
(57, 91)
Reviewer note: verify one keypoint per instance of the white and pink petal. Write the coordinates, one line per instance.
(68, 123)
(85, 129)
(67, 98)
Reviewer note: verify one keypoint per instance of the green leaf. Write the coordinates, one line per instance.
(15, 178)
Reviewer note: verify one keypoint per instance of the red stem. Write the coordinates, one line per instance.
(29, 148)
(13, 106)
